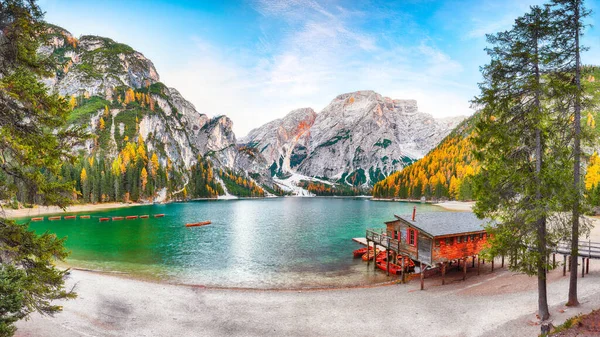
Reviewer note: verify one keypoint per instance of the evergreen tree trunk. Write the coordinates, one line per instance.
(543, 310)
(572, 301)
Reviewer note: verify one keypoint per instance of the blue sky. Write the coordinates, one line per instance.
(256, 60)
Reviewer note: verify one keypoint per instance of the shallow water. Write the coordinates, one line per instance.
(259, 243)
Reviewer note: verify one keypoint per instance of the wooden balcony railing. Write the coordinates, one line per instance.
(381, 237)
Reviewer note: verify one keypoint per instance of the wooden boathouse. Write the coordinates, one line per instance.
(433, 239)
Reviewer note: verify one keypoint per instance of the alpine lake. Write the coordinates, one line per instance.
(271, 243)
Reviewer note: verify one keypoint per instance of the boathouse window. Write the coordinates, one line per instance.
(480, 236)
(412, 237)
(459, 239)
(438, 242)
(473, 237)
(396, 236)
(466, 238)
(449, 241)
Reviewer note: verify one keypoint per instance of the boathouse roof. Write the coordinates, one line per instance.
(446, 223)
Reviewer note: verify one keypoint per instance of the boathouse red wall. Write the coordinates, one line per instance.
(456, 247)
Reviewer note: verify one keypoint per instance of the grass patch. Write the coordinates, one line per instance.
(86, 109)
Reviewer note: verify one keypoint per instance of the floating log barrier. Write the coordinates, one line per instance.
(115, 218)
(84, 217)
(70, 217)
(144, 216)
(37, 219)
(198, 224)
(131, 217)
(159, 215)
(54, 218)
(104, 219)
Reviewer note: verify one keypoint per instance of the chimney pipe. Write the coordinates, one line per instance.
(414, 213)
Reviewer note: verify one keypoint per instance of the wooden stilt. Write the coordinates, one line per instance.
(473, 265)
(478, 265)
(587, 265)
(422, 277)
(465, 269)
(443, 273)
(582, 267)
(553, 261)
(569, 264)
(492, 265)
(388, 261)
(482, 261)
(564, 265)
(502, 266)
(402, 273)
(368, 249)
(374, 256)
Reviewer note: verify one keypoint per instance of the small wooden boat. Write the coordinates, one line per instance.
(360, 252)
(370, 254)
(131, 217)
(104, 219)
(115, 218)
(394, 268)
(37, 219)
(84, 217)
(159, 215)
(382, 256)
(198, 224)
(54, 218)
(70, 217)
(143, 216)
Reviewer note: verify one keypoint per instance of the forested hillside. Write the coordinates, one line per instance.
(147, 143)
(445, 172)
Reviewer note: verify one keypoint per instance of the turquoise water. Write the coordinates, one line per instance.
(259, 243)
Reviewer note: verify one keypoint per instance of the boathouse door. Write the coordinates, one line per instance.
(424, 247)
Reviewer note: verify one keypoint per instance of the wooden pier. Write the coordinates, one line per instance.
(587, 250)
(363, 241)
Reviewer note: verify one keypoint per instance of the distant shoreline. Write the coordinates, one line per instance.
(45, 210)
(460, 206)
(464, 206)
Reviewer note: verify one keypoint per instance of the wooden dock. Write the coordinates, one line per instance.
(363, 241)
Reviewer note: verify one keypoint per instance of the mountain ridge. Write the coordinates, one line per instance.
(117, 92)
(358, 139)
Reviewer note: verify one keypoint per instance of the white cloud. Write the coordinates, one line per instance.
(320, 56)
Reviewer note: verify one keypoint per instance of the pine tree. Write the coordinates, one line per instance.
(85, 185)
(154, 165)
(144, 178)
(568, 18)
(35, 143)
(515, 134)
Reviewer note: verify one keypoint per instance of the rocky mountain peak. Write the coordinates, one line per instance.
(358, 139)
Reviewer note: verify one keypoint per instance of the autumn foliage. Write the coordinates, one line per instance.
(444, 173)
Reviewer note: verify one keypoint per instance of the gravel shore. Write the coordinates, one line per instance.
(44, 210)
(491, 304)
(498, 303)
